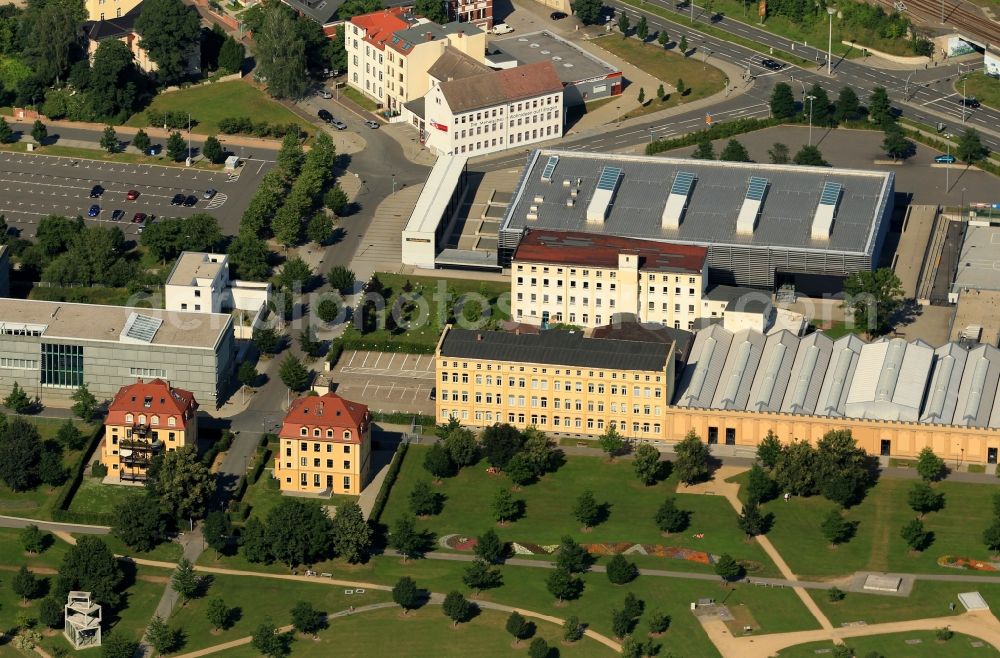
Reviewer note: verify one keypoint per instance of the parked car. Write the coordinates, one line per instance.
(139, 218)
(323, 93)
(558, 15)
(94, 211)
(338, 124)
(209, 193)
(178, 200)
(501, 28)
(970, 102)
(325, 116)
(154, 150)
(190, 201)
(96, 192)
(132, 195)
(371, 124)
(118, 215)
(771, 64)
(945, 159)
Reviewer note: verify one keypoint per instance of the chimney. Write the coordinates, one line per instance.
(428, 36)
(460, 33)
(479, 337)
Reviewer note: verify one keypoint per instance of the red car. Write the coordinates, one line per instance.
(139, 218)
(132, 195)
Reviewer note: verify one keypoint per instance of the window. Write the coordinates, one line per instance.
(347, 481)
(347, 464)
(19, 364)
(347, 450)
(62, 365)
(347, 435)
(148, 372)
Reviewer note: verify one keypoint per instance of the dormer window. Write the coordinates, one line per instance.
(316, 432)
(347, 435)
(142, 419)
(155, 420)
(304, 432)
(171, 422)
(129, 418)
(329, 434)
(147, 402)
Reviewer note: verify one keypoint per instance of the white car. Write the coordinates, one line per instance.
(502, 28)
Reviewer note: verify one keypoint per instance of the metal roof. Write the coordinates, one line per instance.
(889, 380)
(773, 376)
(572, 64)
(978, 390)
(805, 379)
(701, 374)
(738, 371)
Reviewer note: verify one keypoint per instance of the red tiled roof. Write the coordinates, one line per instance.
(164, 401)
(328, 411)
(380, 25)
(579, 248)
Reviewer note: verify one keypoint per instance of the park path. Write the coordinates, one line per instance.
(717, 485)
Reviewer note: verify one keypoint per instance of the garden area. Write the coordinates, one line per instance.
(413, 316)
(670, 67)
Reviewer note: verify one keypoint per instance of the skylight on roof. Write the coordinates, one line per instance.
(830, 194)
(746, 222)
(609, 178)
(550, 168)
(597, 209)
(826, 210)
(683, 180)
(756, 188)
(141, 328)
(677, 201)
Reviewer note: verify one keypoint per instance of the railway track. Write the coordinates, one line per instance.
(962, 15)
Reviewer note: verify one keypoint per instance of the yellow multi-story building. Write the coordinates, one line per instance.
(325, 446)
(557, 381)
(144, 419)
(102, 10)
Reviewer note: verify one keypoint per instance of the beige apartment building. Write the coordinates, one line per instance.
(100, 10)
(584, 279)
(557, 381)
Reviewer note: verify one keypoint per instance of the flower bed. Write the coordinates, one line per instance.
(468, 544)
(958, 562)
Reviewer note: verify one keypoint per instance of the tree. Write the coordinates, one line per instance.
(431, 10)
(572, 557)
(138, 522)
(405, 594)
(847, 106)
(84, 403)
(212, 150)
(281, 53)
(109, 139)
(662, 38)
(293, 373)
(39, 132)
(489, 548)
(922, 499)
(586, 510)
(659, 622)
(669, 518)
(479, 576)
(735, 152)
(91, 567)
(18, 401)
(796, 470)
(646, 463)
(184, 580)
(660, 92)
(169, 31)
(307, 619)
(519, 627)
(621, 623)
(327, 310)
(231, 55)
(437, 462)
(915, 536)
(611, 442)
(253, 542)
(778, 153)
(623, 23)
(819, 106)
(353, 536)
(521, 470)
(218, 614)
(930, 466)
(119, 645)
(33, 540)
(25, 584)
(161, 637)
(50, 467)
(874, 298)
(182, 483)
(572, 629)
(895, 144)
(319, 228)
(336, 200)
(141, 141)
(705, 151)
(340, 278)
(760, 487)
(499, 442)
(836, 529)
(266, 340)
(504, 507)
(405, 538)
(782, 101)
(298, 532)
(217, 531)
(991, 536)
(970, 148)
(752, 522)
(461, 446)
(267, 641)
(620, 570)
(810, 156)
(457, 608)
(308, 342)
(728, 569)
(177, 148)
(683, 46)
(539, 648)
(247, 373)
(423, 500)
(5, 131)
(642, 30)
(588, 11)
(70, 435)
(879, 109)
(836, 594)
(681, 90)
(20, 453)
(769, 450)
(691, 462)
(563, 585)
(843, 471)
(50, 613)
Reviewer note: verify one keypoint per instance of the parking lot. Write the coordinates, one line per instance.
(387, 382)
(33, 186)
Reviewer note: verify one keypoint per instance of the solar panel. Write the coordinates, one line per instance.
(683, 180)
(831, 194)
(756, 189)
(550, 168)
(143, 328)
(609, 178)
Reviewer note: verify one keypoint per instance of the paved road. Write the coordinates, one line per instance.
(52, 526)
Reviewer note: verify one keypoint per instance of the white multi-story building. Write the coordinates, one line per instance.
(199, 282)
(493, 111)
(584, 279)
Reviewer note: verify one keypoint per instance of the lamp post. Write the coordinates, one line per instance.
(964, 97)
(829, 49)
(947, 171)
(961, 207)
(810, 98)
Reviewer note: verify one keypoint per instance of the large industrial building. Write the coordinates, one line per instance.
(764, 225)
(52, 348)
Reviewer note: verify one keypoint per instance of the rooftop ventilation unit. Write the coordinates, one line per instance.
(597, 210)
(677, 201)
(550, 168)
(826, 211)
(752, 202)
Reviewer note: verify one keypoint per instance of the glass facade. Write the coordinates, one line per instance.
(62, 365)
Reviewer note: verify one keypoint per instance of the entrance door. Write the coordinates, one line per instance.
(329, 482)
(713, 435)
(991, 455)
(730, 436)
(885, 447)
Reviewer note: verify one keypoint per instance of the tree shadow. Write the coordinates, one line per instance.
(603, 513)
(234, 617)
(204, 584)
(664, 470)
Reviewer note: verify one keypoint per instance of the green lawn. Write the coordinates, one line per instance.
(838, 329)
(877, 545)
(929, 599)
(360, 99)
(425, 634)
(893, 645)
(700, 79)
(210, 103)
(258, 599)
(430, 317)
(265, 496)
(981, 86)
(95, 497)
(548, 504)
(165, 552)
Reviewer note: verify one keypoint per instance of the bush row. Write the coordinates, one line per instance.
(263, 455)
(718, 131)
(222, 445)
(390, 479)
(247, 126)
(60, 510)
(336, 349)
(172, 119)
(385, 346)
(402, 418)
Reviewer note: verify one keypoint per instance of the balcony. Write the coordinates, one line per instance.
(138, 452)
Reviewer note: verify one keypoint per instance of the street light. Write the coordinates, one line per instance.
(810, 98)
(829, 49)
(964, 97)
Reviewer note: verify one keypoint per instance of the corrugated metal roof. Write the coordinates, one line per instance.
(978, 389)
(806, 377)
(738, 373)
(704, 367)
(890, 380)
(772, 378)
(942, 394)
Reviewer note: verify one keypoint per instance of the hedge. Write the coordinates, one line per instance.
(223, 444)
(336, 349)
(247, 126)
(361, 344)
(718, 131)
(390, 479)
(241, 488)
(402, 418)
(263, 456)
(60, 510)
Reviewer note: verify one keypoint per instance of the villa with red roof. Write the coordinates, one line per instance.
(144, 419)
(325, 446)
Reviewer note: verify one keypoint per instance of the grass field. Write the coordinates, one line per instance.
(256, 600)
(700, 79)
(980, 86)
(896, 644)
(93, 496)
(548, 505)
(839, 329)
(877, 545)
(360, 99)
(425, 633)
(166, 552)
(430, 317)
(210, 103)
(265, 496)
(929, 599)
